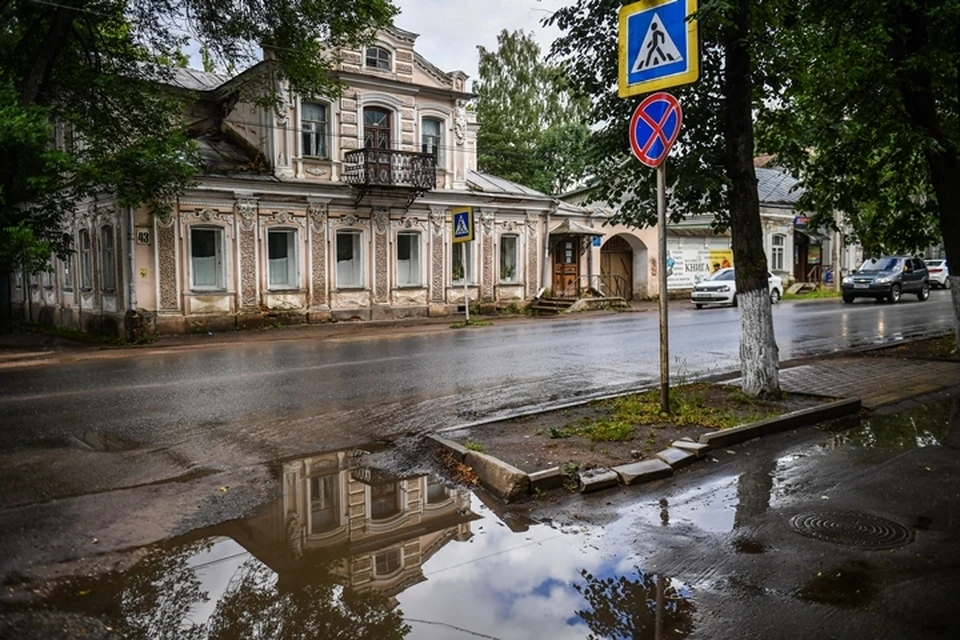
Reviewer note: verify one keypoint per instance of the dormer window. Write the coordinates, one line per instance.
(378, 58)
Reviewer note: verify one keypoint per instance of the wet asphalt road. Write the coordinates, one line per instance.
(341, 392)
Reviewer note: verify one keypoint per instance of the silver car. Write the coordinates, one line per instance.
(721, 288)
(938, 273)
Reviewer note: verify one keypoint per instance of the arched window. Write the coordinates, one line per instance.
(431, 138)
(778, 242)
(376, 128)
(86, 261)
(378, 58)
(314, 126)
(108, 261)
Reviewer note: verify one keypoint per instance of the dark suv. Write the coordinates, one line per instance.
(887, 278)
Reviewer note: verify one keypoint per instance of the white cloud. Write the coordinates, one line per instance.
(450, 32)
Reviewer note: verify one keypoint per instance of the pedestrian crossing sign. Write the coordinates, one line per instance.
(462, 224)
(659, 46)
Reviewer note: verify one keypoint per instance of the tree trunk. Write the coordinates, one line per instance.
(920, 102)
(39, 75)
(759, 356)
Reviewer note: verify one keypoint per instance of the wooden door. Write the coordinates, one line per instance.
(616, 268)
(566, 267)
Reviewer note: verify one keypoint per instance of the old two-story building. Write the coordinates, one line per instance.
(794, 251)
(323, 209)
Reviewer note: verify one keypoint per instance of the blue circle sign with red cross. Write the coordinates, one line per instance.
(654, 128)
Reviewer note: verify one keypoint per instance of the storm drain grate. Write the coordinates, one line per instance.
(852, 528)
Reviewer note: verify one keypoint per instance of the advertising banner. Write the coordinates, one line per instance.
(688, 265)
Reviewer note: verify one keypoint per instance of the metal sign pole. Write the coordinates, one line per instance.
(466, 291)
(662, 266)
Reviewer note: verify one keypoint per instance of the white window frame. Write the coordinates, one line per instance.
(108, 259)
(440, 141)
(415, 269)
(777, 251)
(292, 258)
(46, 277)
(86, 260)
(357, 242)
(66, 269)
(219, 261)
(516, 277)
(383, 552)
(336, 507)
(391, 54)
(308, 127)
(470, 275)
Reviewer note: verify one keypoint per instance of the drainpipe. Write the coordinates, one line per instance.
(131, 262)
(545, 284)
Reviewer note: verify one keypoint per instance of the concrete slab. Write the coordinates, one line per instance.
(645, 471)
(503, 480)
(792, 420)
(696, 448)
(547, 479)
(597, 479)
(454, 448)
(676, 458)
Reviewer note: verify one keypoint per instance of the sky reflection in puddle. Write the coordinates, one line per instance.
(349, 552)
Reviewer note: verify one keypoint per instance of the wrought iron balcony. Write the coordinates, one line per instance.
(367, 168)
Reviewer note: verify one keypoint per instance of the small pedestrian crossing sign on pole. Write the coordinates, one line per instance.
(659, 46)
(462, 224)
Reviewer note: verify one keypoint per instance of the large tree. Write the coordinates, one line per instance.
(533, 127)
(711, 170)
(96, 70)
(869, 118)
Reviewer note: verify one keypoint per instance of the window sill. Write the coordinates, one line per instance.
(352, 289)
(285, 290)
(410, 286)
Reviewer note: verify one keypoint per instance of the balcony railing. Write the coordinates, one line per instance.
(390, 168)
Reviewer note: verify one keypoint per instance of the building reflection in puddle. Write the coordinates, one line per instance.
(352, 552)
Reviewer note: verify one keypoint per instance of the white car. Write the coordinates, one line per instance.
(721, 288)
(938, 273)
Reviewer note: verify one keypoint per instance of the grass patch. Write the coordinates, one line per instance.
(473, 445)
(471, 323)
(816, 294)
(697, 404)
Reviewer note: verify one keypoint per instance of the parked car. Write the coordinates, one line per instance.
(721, 288)
(886, 278)
(938, 273)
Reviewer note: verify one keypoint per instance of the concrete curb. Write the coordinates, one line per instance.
(509, 483)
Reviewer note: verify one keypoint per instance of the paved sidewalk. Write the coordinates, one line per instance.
(876, 381)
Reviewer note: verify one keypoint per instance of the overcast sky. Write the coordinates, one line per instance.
(450, 31)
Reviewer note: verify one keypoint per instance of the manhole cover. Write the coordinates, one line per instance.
(852, 528)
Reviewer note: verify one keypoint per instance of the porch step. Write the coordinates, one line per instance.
(802, 287)
(552, 306)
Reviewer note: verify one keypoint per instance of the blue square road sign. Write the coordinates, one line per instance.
(659, 46)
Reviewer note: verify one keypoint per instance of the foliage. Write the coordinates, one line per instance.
(711, 169)
(622, 608)
(472, 445)
(532, 124)
(843, 121)
(94, 76)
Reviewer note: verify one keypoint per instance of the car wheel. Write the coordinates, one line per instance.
(775, 296)
(848, 299)
(924, 292)
(698, 306)
(894, 296)
(946, 284)
(734, 302)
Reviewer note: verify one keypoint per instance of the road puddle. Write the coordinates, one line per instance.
(922, 427)
(353, 552)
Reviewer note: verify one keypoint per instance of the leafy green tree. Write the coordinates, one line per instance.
(869, 118)
(711, 169)
(97, 68)
(532, 124)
